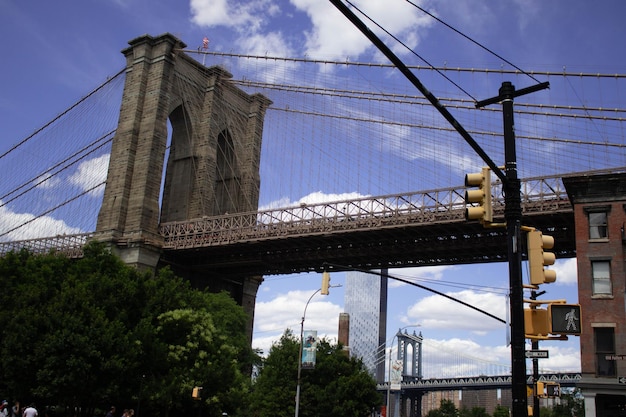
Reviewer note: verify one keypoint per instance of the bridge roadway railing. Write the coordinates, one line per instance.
(480, 382)
(539, 195)
(69, 245)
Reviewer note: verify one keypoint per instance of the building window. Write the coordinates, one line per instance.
(604, 338)
(598, 225)
(601, 276)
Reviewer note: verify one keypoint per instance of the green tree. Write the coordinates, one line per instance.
(571, 404)
(446, 409)
(501, 411)
(93, 332)
(473, 412)
(338, 385)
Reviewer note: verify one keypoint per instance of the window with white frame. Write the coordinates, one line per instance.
(598, 225)
(601, 277)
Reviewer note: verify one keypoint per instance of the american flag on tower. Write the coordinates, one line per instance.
(205, 43)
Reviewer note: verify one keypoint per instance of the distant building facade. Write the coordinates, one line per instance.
(366, 304)
(487, 399)
(432, 400)
(599, 203)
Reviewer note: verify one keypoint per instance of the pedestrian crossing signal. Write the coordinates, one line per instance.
(553, 390)
(564, 319)
(547, 389)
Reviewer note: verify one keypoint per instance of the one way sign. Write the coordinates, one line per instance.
(621, 379)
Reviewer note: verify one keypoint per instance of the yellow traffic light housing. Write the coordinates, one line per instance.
(555, 322)
(538, 258)
(195, 393)
(540, 389)
(482, 195)
(325, 283)
(536, 323)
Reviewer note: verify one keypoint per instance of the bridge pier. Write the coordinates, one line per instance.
(178, 114)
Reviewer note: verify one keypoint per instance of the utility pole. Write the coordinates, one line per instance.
(513, 218)
(511, 187)
(535, 346)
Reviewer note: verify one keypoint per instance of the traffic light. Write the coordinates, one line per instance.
(557, 319)
(553, 389)
(195, 393)
(325, 282)
(538, 258)
(540, 389)
(483, 212)
(536, 322)
(564, 318)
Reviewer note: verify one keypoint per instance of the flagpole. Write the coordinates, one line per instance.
(205, 46)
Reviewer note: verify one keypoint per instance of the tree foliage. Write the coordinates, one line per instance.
(446, 409)
(93, 332)
(474, 412)
(338, 386)
(501, 411)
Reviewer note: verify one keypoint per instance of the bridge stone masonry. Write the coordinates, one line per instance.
(213, 163)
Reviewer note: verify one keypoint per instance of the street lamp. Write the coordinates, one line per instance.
(302, 346)
(389, 409)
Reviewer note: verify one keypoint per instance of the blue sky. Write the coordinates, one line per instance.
(56, 52)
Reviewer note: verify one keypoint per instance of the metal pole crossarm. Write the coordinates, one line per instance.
(540, 302)
(418, 84)
(536, 337)
(516, 93)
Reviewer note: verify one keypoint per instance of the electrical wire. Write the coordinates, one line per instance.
(472, 40)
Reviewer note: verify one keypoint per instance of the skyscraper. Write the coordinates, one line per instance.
(366, 303)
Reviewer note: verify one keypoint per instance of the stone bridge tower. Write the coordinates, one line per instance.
(209, 153)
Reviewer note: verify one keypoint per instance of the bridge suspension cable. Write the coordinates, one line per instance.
(327, 137)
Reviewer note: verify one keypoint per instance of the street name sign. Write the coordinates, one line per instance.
(537, 354)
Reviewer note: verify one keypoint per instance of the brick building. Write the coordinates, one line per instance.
(599, 203)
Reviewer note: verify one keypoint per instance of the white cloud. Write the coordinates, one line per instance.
(566, 271)
(561, 357)
(471, 358)
(91, 173)
(33, 228)
(226, 13)
(330, 25)
(285, 311)
(47, 181)
(311, 199)
(327, 32)
(437, 312)
(425, 272)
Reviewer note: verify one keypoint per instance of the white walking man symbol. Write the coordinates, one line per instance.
(571, 319)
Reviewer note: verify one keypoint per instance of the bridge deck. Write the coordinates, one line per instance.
(411, 229)
(481, 382)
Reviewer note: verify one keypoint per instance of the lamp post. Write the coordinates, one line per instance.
(389, 409)
(300, 354)
(302, 346)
